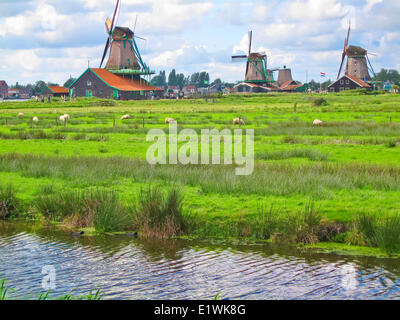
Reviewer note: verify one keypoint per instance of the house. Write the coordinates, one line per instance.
(101, 83)
(189, 91)
(173, 91)
(55, 91)
(13, 93)
(226, 91)
(245, 87)
(348, 82)
(3, 89)
(290, 86)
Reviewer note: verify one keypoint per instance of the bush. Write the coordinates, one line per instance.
(318, 102)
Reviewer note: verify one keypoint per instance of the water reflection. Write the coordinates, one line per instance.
(129, 268)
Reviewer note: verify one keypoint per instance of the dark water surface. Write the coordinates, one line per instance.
(127, 268)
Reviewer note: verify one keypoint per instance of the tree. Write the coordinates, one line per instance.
(217, 81)
(159, 80)
(389, 75)
(180, 80)
(69, 82)
(172, 81)
(39, 86)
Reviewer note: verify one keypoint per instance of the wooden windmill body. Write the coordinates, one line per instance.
(121, 54)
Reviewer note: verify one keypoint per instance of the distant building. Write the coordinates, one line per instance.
(245, 87)
(348, 82)
(189, 91)
(55, 91)
(13, 93)
(101, 83)
(3, 89)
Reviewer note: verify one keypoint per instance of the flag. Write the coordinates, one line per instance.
(323, 74)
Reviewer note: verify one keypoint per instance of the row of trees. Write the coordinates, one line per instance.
(38, 86)
(198, 79)
(389, 75)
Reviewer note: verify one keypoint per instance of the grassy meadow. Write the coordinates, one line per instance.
(304, 175)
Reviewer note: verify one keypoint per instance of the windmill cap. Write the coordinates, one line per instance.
(356, 51)
(120, 32)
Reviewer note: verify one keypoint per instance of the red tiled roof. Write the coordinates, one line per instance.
(121, 83)
(284, 85)
(292, 87)
(358, 81)
(57, 89)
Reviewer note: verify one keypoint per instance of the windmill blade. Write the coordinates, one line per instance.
(140, 38)
(239, 58)
(134, 27)
(372, 54)
(105, 51)
(348, 36)
(250, 39)
(341, 64)
(113, 22)
(372, 69)
(108, 25)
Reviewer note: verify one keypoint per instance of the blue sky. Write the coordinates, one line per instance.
(53, 39)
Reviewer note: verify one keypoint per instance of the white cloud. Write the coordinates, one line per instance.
(303, 10)
(370, 4)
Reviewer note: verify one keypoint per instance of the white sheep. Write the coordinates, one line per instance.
(317, 122)
(35, 119)
(170, 120)
(21, 114)
(64, 117)
(238, 121)
(125, 117)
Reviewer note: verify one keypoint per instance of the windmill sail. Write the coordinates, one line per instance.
(110, 29)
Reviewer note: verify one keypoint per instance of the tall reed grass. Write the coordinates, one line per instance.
(158, 214)
(9, 203)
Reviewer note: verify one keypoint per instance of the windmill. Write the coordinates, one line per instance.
(124, 58)
(256, 67)
(358, 63)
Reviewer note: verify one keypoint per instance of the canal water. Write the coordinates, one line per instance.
(130, 268)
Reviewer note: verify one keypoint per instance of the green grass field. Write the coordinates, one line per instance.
(349, 165)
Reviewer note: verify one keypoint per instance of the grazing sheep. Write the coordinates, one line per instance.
(238, 121)
(21, 114)
(35, 119)
(317, 122)
(64, 117)
(170, 120)
(125, 117)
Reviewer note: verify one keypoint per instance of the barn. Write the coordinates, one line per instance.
(348, 82)
(55, 91)
(101, 83)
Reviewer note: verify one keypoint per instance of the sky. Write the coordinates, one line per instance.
(52, 40)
